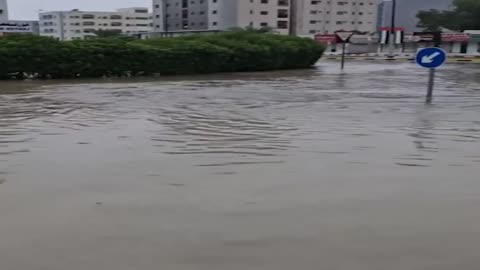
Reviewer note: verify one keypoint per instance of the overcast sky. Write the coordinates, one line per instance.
(28, 9)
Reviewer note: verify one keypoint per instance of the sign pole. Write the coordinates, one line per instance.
(431, 58)
(343, 55)
(431, 83)
(344, 37)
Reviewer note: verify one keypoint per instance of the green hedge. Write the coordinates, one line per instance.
(40, 57)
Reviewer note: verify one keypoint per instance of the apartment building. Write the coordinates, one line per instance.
(178, 15)
(76, 24)
(327, 16)
(212, 15)
(3, 10)
(273, 14)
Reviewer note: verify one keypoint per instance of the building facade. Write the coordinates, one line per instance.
(329, 16)
(177, 15)
(300, 17)
(218, 15)
(76, 24)
(3, 10)
(384, 18)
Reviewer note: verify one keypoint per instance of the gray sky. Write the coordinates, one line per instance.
(28, 9)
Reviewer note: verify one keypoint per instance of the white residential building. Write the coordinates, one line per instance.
(300, 17)
(76, 24)
(211, 15)
(3, 10)
(328, 16)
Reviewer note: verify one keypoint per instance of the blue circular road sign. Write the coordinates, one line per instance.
(431, 57)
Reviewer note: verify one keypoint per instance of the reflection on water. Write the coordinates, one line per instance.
(243, 171)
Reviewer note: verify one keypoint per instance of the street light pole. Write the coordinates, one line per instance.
(392, 29)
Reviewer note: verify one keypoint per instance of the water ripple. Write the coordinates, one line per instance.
(230, 119)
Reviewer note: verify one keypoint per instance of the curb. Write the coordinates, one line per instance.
(474, 60)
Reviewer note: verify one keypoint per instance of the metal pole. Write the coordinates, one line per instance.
(343, 55)
(392, 29)
(431, 84)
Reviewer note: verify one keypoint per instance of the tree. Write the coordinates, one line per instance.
(463, 16)
(433, 20)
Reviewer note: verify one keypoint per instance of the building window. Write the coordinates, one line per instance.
(282, 25)
(282, 13)
(88, 16)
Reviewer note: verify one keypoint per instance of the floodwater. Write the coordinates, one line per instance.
(309, 169)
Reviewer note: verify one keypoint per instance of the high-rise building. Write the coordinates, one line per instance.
(384, 18)
(211, 15)
(76, 24)
(324, 17)
(3, 10)
(406, 12)
(300, 17)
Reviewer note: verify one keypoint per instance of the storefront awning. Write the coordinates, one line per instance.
(455, 37)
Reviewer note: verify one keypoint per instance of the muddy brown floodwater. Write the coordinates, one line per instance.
(310, 169)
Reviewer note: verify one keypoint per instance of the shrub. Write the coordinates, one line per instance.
(42, 57)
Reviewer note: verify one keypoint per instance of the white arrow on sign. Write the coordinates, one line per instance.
(428, 59)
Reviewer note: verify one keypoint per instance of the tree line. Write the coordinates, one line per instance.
(25, 56)
(464, 15)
